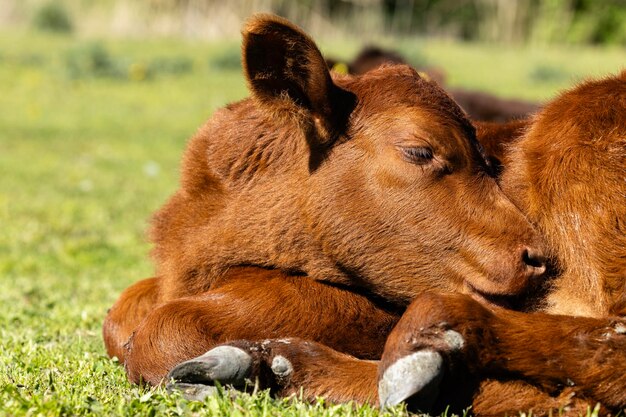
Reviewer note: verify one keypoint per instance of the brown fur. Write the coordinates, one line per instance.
(551, 352)
(308, 178)
(564, 362)
(497, 138)
(335, 376)
(252, 303)
(129, 310)
(567, 174)
(566, 171)
(311, 176)
(261, 187)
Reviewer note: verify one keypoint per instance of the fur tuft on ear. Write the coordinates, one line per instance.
(284, 67)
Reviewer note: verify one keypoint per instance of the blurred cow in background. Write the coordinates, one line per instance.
(477, 104)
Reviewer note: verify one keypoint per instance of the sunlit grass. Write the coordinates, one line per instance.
(85, 160)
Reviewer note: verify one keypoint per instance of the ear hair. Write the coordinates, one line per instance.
(284, 68)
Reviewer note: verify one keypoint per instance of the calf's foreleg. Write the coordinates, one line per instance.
(460, 336)
(308, 369)
(289, 366)
(254, 305)
(129, 310)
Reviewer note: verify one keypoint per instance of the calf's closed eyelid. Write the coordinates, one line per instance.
(419, 155)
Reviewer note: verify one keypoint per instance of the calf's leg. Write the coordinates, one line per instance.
(294, 366)
(459, 336)
(129, 310)
(289, 366)
(500, 398)
(256, 304)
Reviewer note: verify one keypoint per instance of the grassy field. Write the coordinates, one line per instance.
(90, 138)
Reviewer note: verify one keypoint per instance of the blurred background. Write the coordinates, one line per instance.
(505, 21)
(97, 100)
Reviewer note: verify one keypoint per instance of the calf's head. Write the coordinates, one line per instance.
(374, 180)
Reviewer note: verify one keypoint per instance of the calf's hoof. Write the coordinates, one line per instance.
(195, 379)
(413, 367)
(429, 349)
(240, 364)
(416, 377)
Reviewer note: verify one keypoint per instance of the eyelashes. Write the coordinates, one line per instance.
(417, 155)
(424, 157)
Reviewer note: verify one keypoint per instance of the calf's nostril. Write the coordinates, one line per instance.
(534, 260)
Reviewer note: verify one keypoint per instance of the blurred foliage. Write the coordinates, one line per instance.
(573, 21)
(549, 74)
(53, 17)
(227, 60)
(174, 65)
(578, 21)
(502, 21)
(93, 59)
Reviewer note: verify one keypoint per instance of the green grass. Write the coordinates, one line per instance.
(85, 160)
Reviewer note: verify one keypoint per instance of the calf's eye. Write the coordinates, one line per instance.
(417, 155)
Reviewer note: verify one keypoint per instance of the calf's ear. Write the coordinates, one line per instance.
(285, 71)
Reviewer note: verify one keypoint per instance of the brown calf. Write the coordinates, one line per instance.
(568, 173)
(350, 195)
